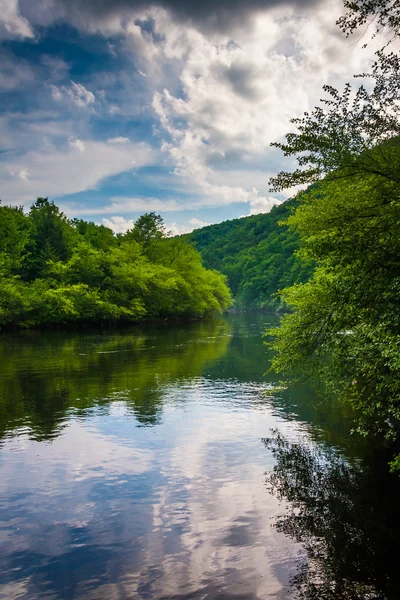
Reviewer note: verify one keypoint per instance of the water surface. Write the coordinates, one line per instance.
(133, 465)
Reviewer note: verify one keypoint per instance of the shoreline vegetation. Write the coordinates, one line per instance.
(56, 272)
(344, 324)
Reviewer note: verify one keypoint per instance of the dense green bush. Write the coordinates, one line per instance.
(56, 271)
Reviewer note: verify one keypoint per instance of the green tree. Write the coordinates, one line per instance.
(98, 236)
(256, 254)
(148, 228)
(341, 137)
(15, 231)
(345, 321)
(77, 272)
(52, 236)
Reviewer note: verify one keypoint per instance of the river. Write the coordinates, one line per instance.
(163, 462)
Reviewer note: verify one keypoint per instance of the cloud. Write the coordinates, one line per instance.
(218, 196)
(122, 204)
(56, 68)
(262, 205)
(79, 94)
(118, 140)
(78, 166)
(239, 92)
(207, 15)
(219, 82)
(24, 175)
(77, 144)
(197, 223)
(15, 73)
(76, 92)
(113, 109)
(118, 224)
(12, 23)
(56, 93)
(180, 228)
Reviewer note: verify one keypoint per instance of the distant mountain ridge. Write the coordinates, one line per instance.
(256, 254)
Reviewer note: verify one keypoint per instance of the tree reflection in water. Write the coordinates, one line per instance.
(48, 376)
(345, 515)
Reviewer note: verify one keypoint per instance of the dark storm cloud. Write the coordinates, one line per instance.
(209, 14)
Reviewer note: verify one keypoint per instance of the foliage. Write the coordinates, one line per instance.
(343, 137)
(256, 254)
(14, 236)
(51, 237)
(345, 322)
(56, 271)
(385, 14)
(147, 229)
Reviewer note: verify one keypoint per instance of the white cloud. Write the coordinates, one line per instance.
(56, 67)
(24, 175)
(79, 94)
(219, 196)
(77, 144)
(76, 92)
(262, 205)
(118, 140)
(113, 109)
(177, 228)
(220, 100)
(118, 224)
(56, 93)
(239, 92)
(12, 24)
(121, 204)
(197, 223)
(15, 73)
(142, 204)
(111, 49)
(78, 166)
(180, 228)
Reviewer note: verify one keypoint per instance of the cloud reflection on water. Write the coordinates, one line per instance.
(176, 511)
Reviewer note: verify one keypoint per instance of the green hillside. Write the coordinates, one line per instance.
(257, 255)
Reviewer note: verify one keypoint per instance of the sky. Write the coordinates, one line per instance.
(113, 108)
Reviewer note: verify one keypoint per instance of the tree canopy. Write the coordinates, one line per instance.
(345, 320)
(256, 254)
(57, 271)
(342, 137)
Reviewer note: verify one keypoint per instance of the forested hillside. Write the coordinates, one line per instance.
(257, 255)
(57, 271)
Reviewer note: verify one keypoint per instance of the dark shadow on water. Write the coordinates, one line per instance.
(347, 518)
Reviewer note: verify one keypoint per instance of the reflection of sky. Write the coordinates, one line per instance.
(112, 510)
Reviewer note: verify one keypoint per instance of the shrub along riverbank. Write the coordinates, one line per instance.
(54, 271)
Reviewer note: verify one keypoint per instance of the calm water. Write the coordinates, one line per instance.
(134, 464)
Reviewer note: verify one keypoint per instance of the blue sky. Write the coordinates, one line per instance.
(123, 107)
